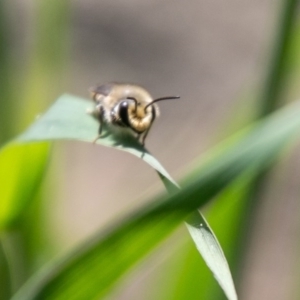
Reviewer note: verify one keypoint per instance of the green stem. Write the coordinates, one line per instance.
(7, 104)
(274, 84)
(270, 101)
(13, 248)
(5, 280)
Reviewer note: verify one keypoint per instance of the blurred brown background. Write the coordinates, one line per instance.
(212, 53)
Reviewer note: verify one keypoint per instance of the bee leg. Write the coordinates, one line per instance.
(101, 120)
(144, 136)
(147, 131)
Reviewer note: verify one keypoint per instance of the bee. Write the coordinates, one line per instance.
(126, 106)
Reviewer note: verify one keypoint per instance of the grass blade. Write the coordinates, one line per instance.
(19, 187)
(91, 270)
(68, 119)
(212, 253)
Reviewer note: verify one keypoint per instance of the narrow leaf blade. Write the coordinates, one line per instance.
(212, 253)
(256, 150)
(21, 170)
(68, 119)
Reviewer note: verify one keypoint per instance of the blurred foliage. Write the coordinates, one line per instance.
(7, 118)
(91, 270)
(23, 95)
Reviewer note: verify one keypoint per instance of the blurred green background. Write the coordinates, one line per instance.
(216, 55)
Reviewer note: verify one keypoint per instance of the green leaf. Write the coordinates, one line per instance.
(185, 276)
(212, 253)
(68, 118)
(91, 270)
(21, 170)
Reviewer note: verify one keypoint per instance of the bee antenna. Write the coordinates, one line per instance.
(160, 99)
(135, 102)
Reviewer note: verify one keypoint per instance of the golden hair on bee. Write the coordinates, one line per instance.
(126, 106)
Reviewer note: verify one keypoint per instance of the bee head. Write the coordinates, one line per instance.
(126, 105)
(137, 116)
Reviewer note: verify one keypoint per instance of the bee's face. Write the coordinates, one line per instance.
(125, 106)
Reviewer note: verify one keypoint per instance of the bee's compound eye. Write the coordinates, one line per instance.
(123, 113)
